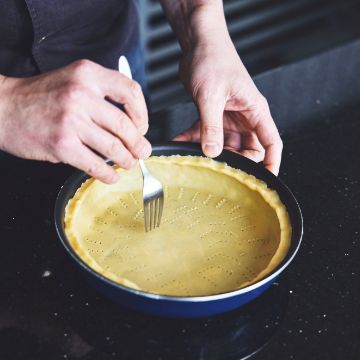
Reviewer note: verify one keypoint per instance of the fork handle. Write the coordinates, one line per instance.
(143, 167)
(124, 68)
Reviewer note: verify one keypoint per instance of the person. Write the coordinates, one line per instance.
(58, 62)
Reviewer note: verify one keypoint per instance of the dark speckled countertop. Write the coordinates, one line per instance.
(47, 311)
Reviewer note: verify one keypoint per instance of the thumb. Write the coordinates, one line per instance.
(211, 111)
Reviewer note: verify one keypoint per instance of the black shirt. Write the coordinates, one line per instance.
(39, 35)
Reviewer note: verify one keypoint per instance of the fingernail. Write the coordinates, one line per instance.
(143, 129)
(146, 151)
(136, 89)
(211, 149)
(114, 178)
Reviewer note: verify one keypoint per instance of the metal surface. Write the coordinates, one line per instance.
(186, 306)
(153, 192)
(153, 197)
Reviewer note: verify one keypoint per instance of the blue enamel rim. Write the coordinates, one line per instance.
(69, 188)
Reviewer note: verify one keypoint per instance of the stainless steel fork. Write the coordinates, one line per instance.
(153, 192)
(153, 196)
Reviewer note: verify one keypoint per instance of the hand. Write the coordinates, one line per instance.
(62, 116)
(233, 113)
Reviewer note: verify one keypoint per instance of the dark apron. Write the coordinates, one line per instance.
(40, 35)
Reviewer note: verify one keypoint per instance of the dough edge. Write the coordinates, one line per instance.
(270, 196)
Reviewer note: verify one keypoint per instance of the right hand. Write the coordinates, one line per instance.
(62, 116)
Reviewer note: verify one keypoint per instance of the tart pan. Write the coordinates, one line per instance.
(194, 306)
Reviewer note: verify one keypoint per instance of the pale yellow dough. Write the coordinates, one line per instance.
(222, 229)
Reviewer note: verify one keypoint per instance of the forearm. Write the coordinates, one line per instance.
(196, 22)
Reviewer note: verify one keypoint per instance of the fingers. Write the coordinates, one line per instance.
(245, 144)
(85, 160)
(253, 155)
(269, 138)
(113, 85)
(192, 134)
(107, 145)
(273, 158)
(232, 139)
(119, 124)
(211, 110)
(251, 147)
(128, 92)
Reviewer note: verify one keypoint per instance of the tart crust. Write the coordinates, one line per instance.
(222, 229)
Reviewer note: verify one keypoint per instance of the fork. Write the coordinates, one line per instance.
(153, 191)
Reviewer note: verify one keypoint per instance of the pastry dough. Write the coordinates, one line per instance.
(222, 229)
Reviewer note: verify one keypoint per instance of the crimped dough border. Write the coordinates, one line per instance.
(270, 196)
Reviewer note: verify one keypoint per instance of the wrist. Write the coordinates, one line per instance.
(208, 27)
(197, 23)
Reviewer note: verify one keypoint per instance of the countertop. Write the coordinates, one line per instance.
(48, 311)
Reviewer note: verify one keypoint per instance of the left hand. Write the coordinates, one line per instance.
(233, 113)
